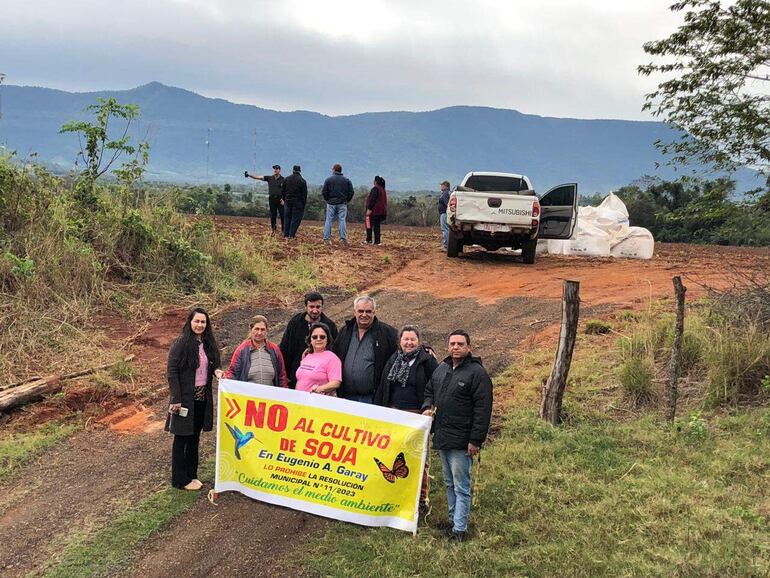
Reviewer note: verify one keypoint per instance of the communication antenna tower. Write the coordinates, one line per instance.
(2, 78)
(208, 141)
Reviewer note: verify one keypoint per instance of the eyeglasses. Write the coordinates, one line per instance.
(318, 337)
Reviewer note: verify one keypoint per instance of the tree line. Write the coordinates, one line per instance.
(687, 210)
(691, 210)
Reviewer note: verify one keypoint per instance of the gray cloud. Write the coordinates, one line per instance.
(554, 57)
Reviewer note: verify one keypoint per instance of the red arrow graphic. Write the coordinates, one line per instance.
(233, 408)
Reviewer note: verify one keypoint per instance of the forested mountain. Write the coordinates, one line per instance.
(412, 150)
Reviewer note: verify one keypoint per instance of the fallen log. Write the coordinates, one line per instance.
(29, 391)
(18, 383)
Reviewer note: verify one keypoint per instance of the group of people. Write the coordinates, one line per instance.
(287, 198)
(366, 361)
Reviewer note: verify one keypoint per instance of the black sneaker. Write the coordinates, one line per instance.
(458, 536)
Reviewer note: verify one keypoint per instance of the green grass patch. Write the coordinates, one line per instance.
(635, 376)
(597, 327)
(599, 499)
(600, 495)
(97, 553)
(20, 448)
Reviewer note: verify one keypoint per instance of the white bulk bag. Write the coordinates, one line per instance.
(589, 240)
(610, 216)
(557, 247)
(637, 244)
(612, 202)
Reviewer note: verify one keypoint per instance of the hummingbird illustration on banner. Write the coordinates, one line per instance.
(241, 439)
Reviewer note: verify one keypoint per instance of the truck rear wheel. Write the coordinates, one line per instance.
(454, 246)
(529, 251)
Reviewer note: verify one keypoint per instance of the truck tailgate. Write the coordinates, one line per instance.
(495, 207)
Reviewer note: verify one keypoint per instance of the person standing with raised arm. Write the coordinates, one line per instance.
(274, 194)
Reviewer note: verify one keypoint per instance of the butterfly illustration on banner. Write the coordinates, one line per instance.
(399, 469)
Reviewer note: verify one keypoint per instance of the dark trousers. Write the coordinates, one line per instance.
(276, 210)
(184, 451)
(292, 218)
(376, 221)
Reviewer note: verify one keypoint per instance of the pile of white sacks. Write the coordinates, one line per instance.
(603, 231)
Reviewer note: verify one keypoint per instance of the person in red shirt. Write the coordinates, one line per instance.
(376, 210)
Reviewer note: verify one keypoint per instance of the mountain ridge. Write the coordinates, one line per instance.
(413, 150)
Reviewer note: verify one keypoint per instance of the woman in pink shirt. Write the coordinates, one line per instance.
(320, 371)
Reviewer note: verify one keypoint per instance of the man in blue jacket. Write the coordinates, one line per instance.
(337, 192)
(459, 393)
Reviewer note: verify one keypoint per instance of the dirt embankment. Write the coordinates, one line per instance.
(504, 304)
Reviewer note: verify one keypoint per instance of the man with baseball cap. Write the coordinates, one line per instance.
(274, 185)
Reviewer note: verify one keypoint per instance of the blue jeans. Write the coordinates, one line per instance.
(444, 230)
(293, 214)
(341, 213)
(457, 477)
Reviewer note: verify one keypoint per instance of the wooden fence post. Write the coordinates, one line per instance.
(672, 391)
(553, 391)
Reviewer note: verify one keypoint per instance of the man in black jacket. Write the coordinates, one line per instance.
(461, 393)
(337, 192)
(294, 340)
(275, 203)
(294, 195)
(364, 345)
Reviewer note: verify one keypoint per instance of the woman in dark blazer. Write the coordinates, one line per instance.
(403, 385)
(192, 361)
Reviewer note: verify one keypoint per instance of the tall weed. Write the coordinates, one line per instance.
(636, 377)
(725, 357)
(60, 263)
(737, 360)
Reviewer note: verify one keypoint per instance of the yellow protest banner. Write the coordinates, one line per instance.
(332, 457)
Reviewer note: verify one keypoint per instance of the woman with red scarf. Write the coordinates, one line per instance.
(376, 210)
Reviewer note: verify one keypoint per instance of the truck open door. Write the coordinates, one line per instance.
(558, 212)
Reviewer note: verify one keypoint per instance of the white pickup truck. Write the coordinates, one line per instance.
(497, 210)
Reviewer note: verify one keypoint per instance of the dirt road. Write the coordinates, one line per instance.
(101, 471)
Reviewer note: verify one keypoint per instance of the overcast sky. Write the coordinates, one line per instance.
(549, 57)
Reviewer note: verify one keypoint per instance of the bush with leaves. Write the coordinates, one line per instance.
(717, 69)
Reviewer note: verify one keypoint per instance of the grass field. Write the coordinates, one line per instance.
(595, 498)
(612, 492)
